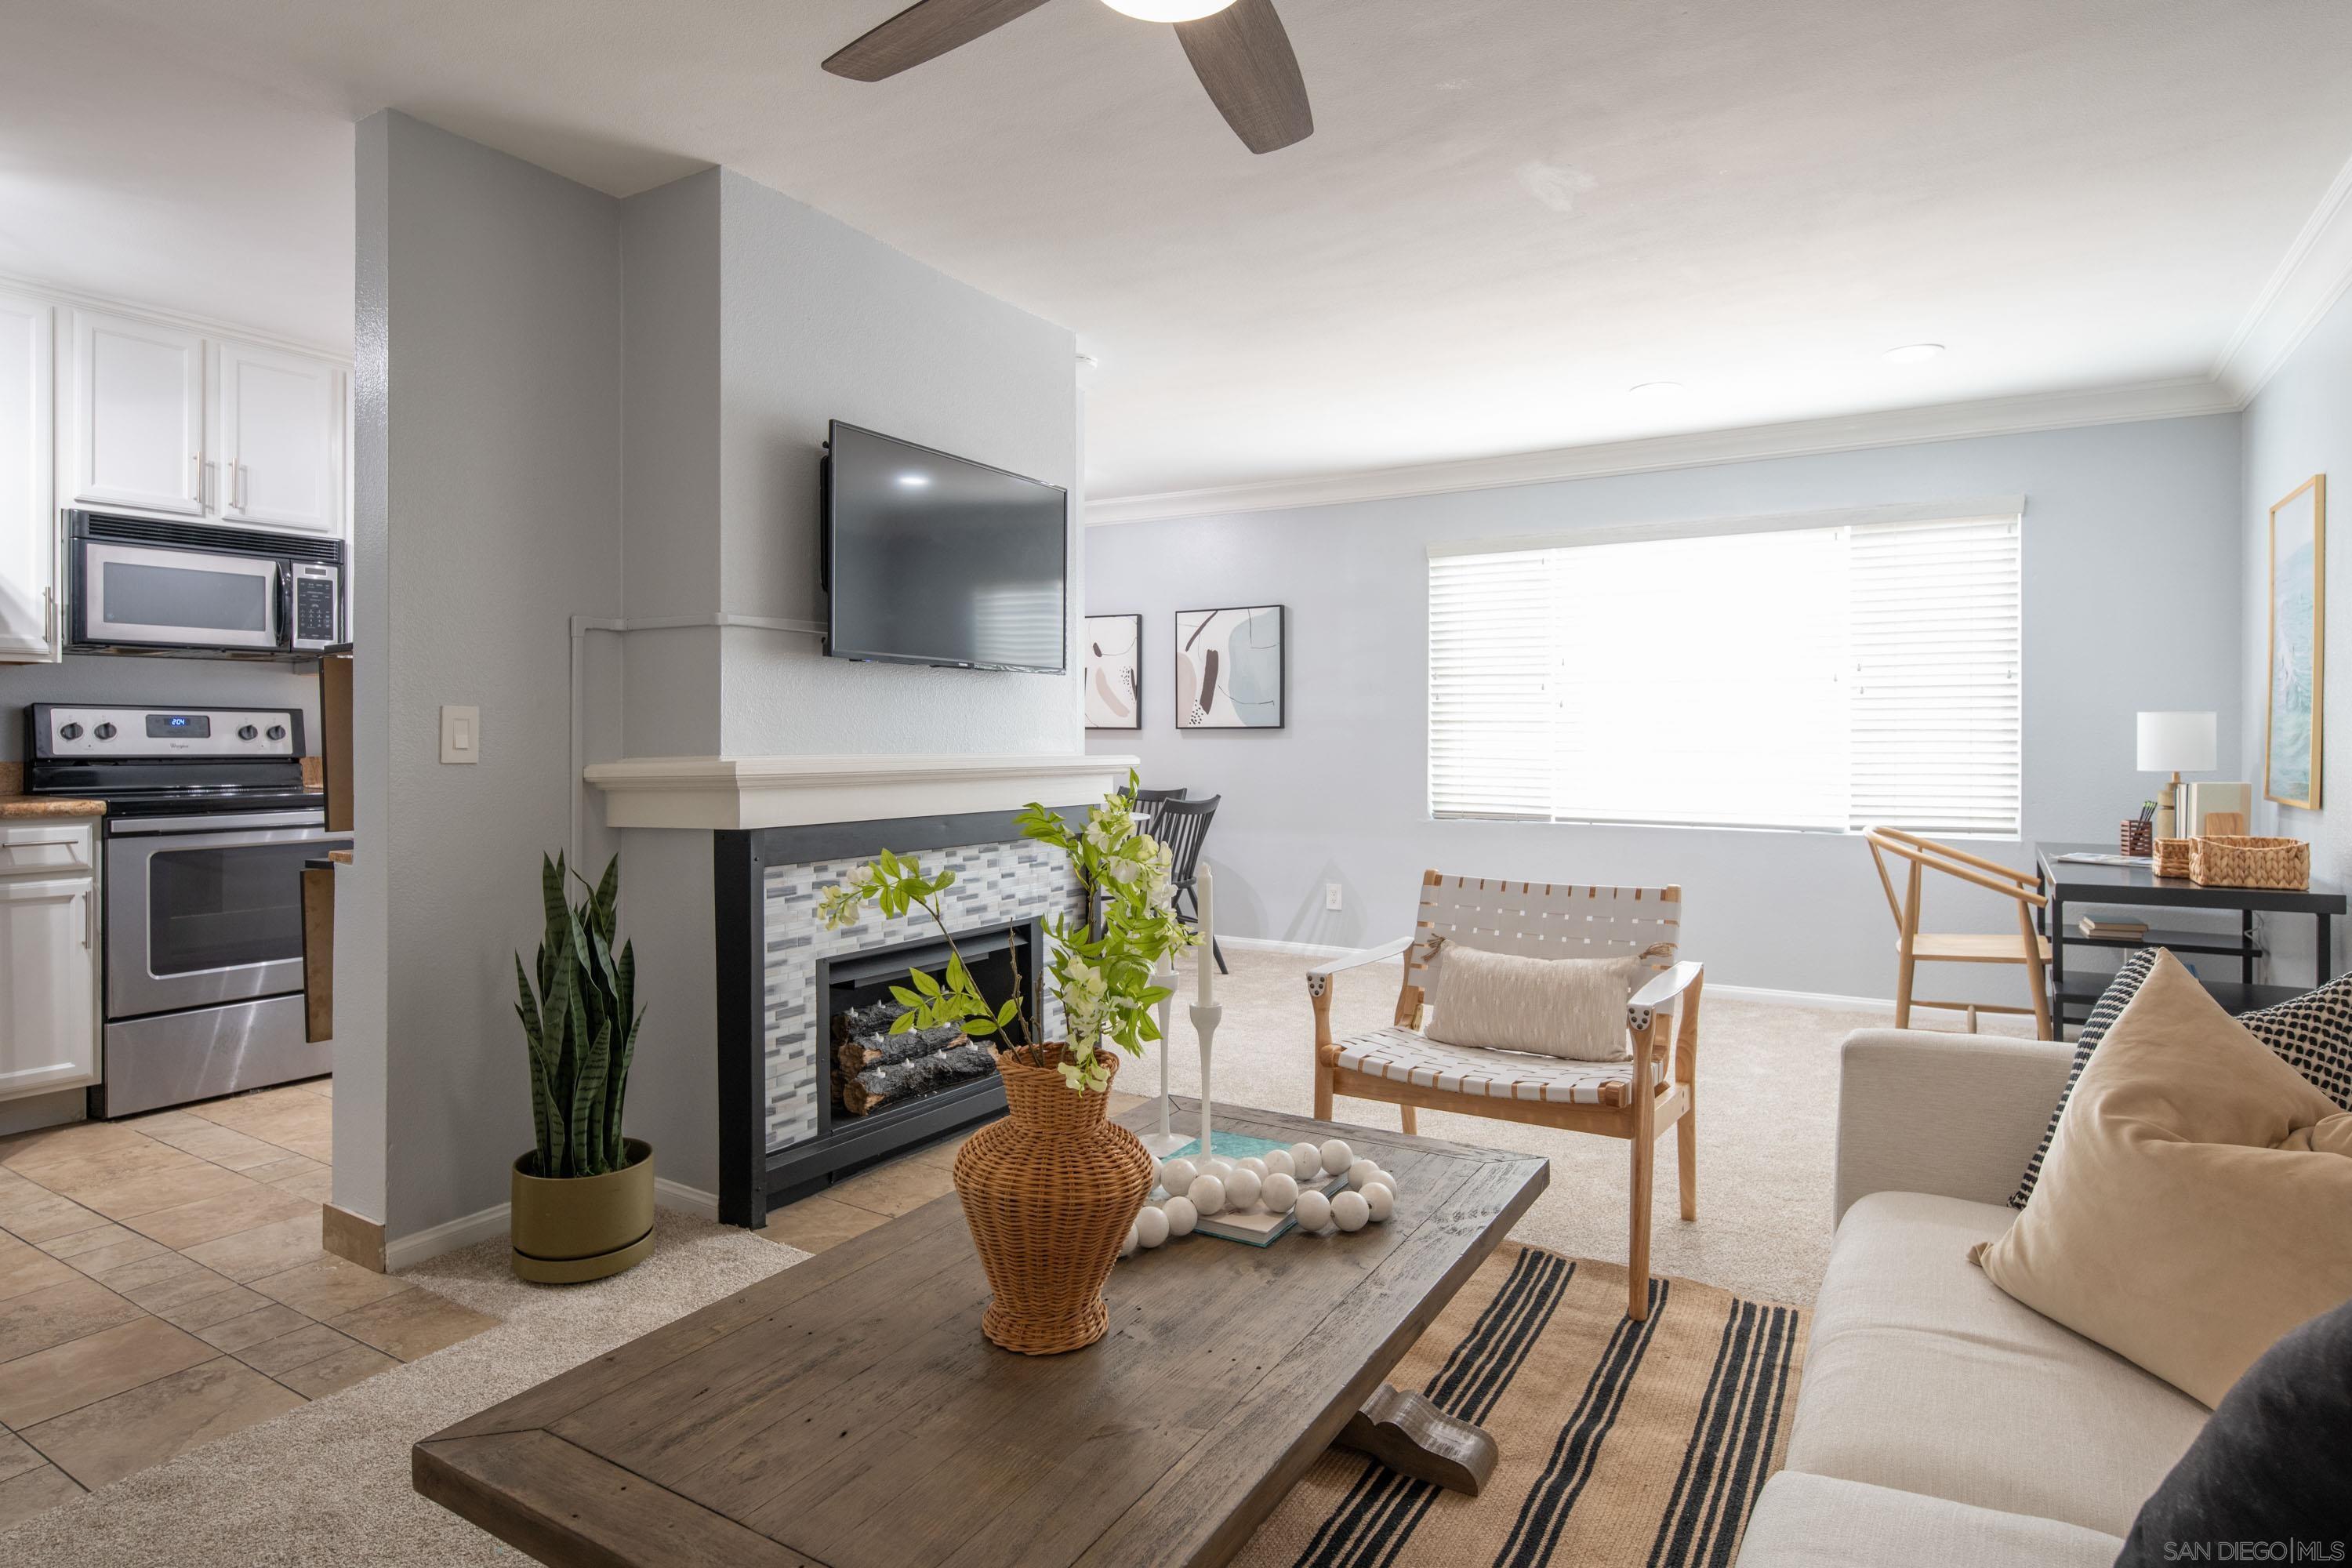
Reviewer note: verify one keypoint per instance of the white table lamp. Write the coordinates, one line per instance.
(2176, 744)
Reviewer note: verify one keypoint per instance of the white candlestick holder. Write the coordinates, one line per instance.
(1163, 1139)
(1204, 1022)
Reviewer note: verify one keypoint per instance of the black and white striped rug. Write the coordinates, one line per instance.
(1640, 1444)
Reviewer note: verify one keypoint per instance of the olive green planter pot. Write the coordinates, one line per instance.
(567, 1230)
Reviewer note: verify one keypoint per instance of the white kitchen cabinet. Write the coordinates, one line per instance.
(139, 417)
(277, 433)
(48, 959)
(28, 530)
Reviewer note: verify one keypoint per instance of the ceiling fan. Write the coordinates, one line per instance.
(1237, 48)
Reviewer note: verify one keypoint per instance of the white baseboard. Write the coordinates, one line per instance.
(1803, 998)
(677, 1195)
(407, 1251)
(414, 1248)
(1270, 945)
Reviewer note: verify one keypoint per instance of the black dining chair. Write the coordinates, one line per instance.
(1150, 801)
(1183, 826)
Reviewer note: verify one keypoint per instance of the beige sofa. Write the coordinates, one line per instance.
(1939, 1422)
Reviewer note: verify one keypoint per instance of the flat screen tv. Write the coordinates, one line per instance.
(937, 560)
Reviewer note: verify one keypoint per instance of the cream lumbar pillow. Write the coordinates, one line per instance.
(1569, 1007)
(2196, 1203)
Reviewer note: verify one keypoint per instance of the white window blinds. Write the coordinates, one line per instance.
(1821, 677)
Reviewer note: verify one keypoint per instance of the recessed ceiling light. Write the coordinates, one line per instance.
(1167, 10)
(1657, 389)
(1912, 353)
(916, 482)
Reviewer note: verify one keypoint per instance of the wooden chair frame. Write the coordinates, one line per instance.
(1662, 1020)
(1925, 854)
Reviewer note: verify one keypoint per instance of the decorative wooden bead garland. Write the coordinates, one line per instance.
(1213, 1185)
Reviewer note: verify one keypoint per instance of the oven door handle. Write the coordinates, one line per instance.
(184, 832)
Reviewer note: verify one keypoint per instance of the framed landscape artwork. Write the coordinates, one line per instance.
(2290, 739)
(1114, 672)
(1230, 667)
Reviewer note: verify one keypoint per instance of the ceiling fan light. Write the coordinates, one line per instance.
(1167, 10)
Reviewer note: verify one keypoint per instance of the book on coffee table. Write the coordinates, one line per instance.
(1254, 1227)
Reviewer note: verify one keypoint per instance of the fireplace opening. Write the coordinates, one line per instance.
(879, 1075)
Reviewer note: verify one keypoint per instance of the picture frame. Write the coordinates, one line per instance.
(1114, 672)
(1233, 667)
(2295, 681)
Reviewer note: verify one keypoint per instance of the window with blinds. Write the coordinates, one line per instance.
(1821, 677)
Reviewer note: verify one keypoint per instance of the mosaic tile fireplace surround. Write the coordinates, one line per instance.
(779, 1135)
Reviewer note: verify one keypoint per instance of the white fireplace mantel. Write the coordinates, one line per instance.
(798, 792)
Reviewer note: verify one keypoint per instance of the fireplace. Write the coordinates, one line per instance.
(787, 1126)
(878, 1075)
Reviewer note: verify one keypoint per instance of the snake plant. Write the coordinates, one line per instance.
(582, 1025)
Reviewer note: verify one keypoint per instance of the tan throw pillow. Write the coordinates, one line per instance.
(1570, 1007)
(2196, 1203)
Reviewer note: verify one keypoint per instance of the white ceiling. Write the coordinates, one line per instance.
(1511, 210)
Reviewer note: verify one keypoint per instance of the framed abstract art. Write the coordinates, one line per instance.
(1114, 664)
(1230, 667)
(2298, 606)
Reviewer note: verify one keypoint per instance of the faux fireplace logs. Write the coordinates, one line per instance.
(874, 1067)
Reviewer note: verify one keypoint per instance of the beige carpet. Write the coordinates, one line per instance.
(1766, 1123)
(328, 1484)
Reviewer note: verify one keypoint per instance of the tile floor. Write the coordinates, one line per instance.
(162, 1284)
(867, 1199)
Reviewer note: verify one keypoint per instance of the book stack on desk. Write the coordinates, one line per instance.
(2113, 929)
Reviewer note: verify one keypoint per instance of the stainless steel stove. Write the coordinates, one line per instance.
(207, 829)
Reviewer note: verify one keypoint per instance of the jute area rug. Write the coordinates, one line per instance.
(1623, 1443)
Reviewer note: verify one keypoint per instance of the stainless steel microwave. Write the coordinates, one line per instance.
(137, 586)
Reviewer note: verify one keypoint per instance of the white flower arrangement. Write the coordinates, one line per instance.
(1101, 969)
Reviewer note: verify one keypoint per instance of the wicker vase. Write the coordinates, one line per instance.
(1049, 1192)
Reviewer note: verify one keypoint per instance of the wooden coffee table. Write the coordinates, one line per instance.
(847, 1414)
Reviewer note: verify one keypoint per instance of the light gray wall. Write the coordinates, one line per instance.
(570, 404)
(2131, 570)
(490, 463)
(824, 322)
(2301, 424)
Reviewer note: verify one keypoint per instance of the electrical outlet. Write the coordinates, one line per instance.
(461, 734)
(1330, 895)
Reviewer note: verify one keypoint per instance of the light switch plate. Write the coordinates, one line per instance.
(1330, 895)
(461, 734)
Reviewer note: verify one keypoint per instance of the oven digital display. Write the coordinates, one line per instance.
(178, 726)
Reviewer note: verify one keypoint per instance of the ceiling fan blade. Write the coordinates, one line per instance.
(1244, 58)
(923, 31)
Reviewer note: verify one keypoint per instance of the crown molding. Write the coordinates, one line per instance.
(730, 793)
(2181, 397)
(208, 326)
(2309, 279)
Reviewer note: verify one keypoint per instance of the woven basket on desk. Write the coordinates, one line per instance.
(1049, 1192)
(2240, 862)
(2171, 856)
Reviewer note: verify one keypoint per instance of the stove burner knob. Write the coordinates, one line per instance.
(277, 732)
(248, 732)
(69, 732)
(104, 731)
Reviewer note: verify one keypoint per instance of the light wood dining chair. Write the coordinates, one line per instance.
(1914, 947)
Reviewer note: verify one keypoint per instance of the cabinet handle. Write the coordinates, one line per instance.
(89, 918)
(211, 486)
(50, 617)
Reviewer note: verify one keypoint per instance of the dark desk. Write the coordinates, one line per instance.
(2072, 882)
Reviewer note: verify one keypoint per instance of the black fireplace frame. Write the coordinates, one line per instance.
(752, 1181)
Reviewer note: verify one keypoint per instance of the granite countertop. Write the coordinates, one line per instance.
(18, 807)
